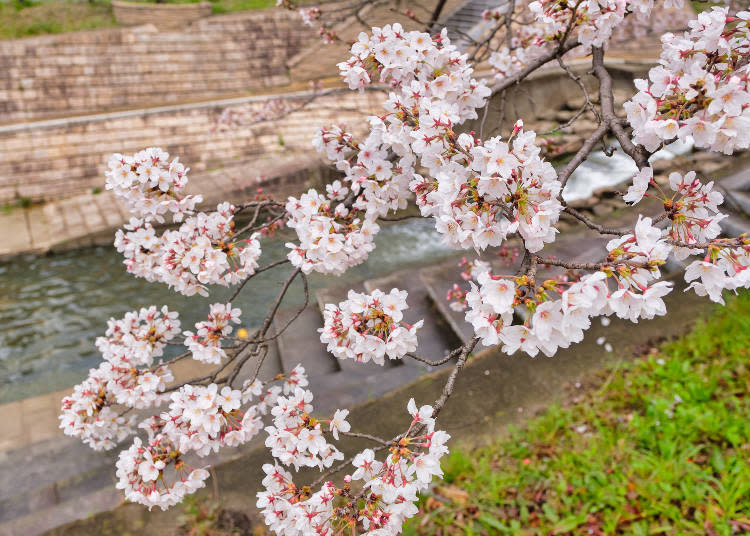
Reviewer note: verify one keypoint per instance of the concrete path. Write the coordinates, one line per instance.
(92, 219)
(66, 473)
(493, 391)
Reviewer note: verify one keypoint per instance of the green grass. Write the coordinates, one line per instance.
(660, 445)
(24, 18)
(227, 6)
(223, 6)
(34, 17)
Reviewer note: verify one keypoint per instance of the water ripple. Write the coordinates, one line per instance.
(53, 307)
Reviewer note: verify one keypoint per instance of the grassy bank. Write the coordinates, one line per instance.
(658, 445)
(25, 18)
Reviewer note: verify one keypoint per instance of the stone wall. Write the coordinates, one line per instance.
(59, 158)
(105, 70)
(161, 15)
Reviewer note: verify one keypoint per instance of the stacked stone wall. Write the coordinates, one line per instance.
(105, 70)
(59, 158)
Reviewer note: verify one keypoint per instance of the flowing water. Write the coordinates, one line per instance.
(53, 307)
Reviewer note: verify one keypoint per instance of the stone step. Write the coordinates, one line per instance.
(436, 338)
(336, 295)
(738, 180)
(300, 343)
(734, 226)
(467, 21)
(437, 281)
(357, 384)
(46, 473)
(43, 519)
(738, 201)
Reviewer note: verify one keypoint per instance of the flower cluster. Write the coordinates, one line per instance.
(150, 185)
(693, 212)
(205, 344)
(377, 184)
(590, 22)
(131, 342)
(310, 15)
(201, 419)
(203, 251)
(724, 267)
(296, 438)
(140, 336)
(700, 89)
(141, 474)
(488, 191)
(551, 323)
(477, 192)
(389, 491)
(87, 414)
(423, 73)
(332, 239)
(368, 327)
(204, 419)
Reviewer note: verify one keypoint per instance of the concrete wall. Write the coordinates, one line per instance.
(59, 158)
(105, 70)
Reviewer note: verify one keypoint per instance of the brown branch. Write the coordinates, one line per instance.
(591, 225)
(439, 362)
(639, 154)
(592, 266)
(582, 154)
(450, 384)
(256, 272)
(296, 315)
(366, 436)
(266, 324)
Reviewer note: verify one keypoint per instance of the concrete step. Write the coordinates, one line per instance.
(46, 480)
(300, 344)
(738, 180)
(467, 20)
(437, 281)
(44, 519)
(336, 295)
(734, 226)
(738, 201)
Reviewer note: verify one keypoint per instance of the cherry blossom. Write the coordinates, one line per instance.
(368, 327)
(479, 193)
(203, 251)
(140, 336)
(150, 185)
(389, 488)
(700, 89)
(205, 344)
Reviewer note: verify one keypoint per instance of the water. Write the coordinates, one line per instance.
(53, 307)
(602, 170)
